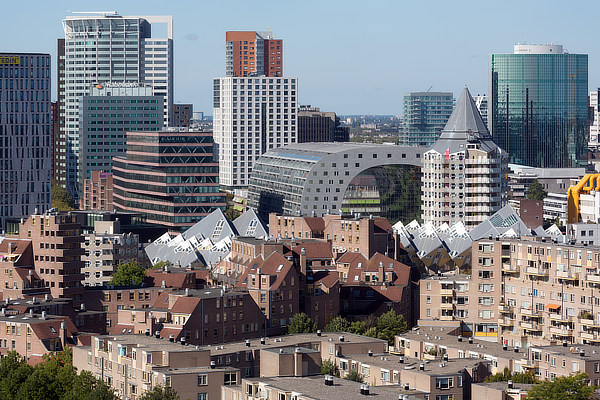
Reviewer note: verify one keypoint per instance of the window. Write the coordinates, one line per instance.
(202, 379)
(230, 378)
(202, 396)
(443, 383)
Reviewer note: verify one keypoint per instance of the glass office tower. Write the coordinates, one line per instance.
(539, 107)
(425, 115)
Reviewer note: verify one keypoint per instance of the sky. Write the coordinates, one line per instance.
(351, 57)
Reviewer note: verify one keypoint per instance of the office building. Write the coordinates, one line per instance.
(425, 115)
(481, 102)
(24, 134)
(105, 116)
(59, 160)
(170, 176)
(315, 125)
(323, 178)
(250, 53)
(182, 115)
(97, 192)
(106, 48)
(54, 132)
(463, 173)
(539, 106)
(552, 180)
(595, 115)
(250, 117)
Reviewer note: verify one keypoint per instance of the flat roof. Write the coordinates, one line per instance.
(151, 343)
(193, 370)
(591, 353)
(314, 387)
(435, 367)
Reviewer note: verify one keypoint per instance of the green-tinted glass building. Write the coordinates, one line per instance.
(538, 106)
(425, 115)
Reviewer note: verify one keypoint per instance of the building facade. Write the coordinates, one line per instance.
(463, 173)
(182, 116)
(317, 126)
(97, 192)
(24, 134)
(539, 106)
(105, 116)
(106, 48)
(323, 178)
(425, 115)
(250, 53)
(250, 117)
(170, 176)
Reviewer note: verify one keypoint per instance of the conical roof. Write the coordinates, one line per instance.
(465, 124)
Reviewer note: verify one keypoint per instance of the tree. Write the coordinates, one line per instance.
(60, 198)
(128, 273)
(507, 375)
(389, 325)
(162, 264)
(536, 191)
(328, 367)
(574, 387)
(301, 323)
(160, 393)
(354, 375)
(338, 324)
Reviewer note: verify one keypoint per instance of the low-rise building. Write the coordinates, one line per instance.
(500, 390)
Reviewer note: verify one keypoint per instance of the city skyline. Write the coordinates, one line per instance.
(371, 44)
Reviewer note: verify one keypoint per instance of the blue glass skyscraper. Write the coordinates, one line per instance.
(538, 106)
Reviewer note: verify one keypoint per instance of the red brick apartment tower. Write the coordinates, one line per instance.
(251, 53)
(57, 252)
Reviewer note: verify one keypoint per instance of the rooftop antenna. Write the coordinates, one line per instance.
(430, 87)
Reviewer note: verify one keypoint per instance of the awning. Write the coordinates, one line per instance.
(552, 306)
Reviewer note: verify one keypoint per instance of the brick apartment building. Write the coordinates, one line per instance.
(97, 192)
(56, 244)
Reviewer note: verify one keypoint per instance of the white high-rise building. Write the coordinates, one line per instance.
(107, 48)
(250, 116)
(595, 125)
(481, 102)
(464, 171)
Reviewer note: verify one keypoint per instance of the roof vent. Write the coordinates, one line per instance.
(510, 384)
(318, 332)
(582, 353)
(213, 365)
(422, 367)
(364, 389)
(470, 340)
(263, 340)
(565, 343)
(171, 338)
(370, 353)
(342, 338)
(247, 343)
(328, 380)
(459, 338)
(407, 386)
(157, 334)
(401, 360)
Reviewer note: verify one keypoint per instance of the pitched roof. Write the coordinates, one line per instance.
(275, 264)
(326, 278)
(382, 225)
(465, 125)
(185, 305)
(314, 249)
(315, 223)
(351, 257)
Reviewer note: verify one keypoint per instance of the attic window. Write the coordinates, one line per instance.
(355, 278)
(52, 329)
(391, 266)
(359, 265)
(279, 268)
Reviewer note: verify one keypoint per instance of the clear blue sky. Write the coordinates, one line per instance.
(351, 57)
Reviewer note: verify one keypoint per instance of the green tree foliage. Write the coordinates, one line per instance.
(358, 327)
(328, 367)
(574, 387)
(355, 376)
(517, 377)
(301, 323)
(54, 378)
(162, 264)
(60, 198)
(128, 273)
(389, 325)
(160, 393)
(536, 191)
(338, 324)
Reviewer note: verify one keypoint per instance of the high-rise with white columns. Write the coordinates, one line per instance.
(250, 116)
(105, 47)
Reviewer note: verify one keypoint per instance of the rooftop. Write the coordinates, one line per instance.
(437, 367)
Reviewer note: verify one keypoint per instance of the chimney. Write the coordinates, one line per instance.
(63, 335)
(43, 314)
(182, 340)
(303, 261)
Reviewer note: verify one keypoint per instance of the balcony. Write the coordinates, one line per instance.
(504, 309)
(529, 363)
(447, 318)
(510, 269)
(561, 331)
(529, 312)
(590, 278)
(505, 321)
(589, 322)
(560, 318)
(592, 337)
(447, 292)
(530, 326)
(567, 275)
(535, 271)
(447, 306)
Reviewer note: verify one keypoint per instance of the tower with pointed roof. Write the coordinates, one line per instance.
(464, 172)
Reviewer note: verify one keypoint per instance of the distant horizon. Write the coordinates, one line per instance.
(350, 59)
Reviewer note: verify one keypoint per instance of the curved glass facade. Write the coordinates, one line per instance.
(539, 108)
(390, 191)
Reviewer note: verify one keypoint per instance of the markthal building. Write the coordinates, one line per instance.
(307, 179)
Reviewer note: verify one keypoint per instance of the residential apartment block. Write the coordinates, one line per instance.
(250, 53)
(251, 116)
(97, 192)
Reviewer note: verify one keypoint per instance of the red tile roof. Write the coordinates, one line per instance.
(268, 266)
(315, 223)
(326, 278)
(320, 250)
(185, 305)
